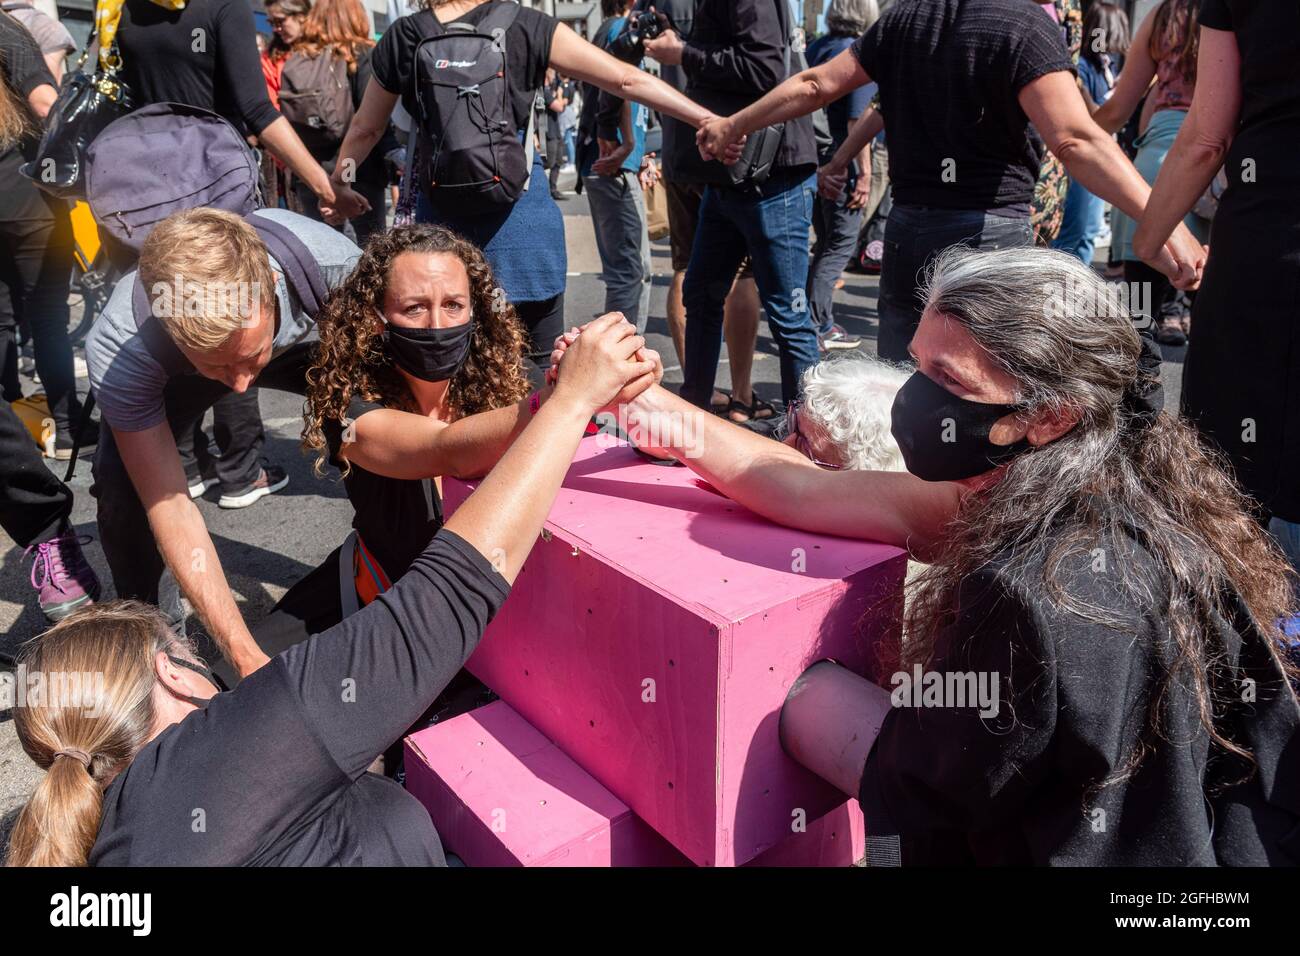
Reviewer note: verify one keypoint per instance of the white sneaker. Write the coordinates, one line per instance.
(199, 488)
(271, 480)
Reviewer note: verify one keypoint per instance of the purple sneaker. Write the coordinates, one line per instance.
(62, 575)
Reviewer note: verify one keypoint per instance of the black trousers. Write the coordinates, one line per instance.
(237, 428)
(33, 503)
(543, 321)
(129, 545)
(35, 273)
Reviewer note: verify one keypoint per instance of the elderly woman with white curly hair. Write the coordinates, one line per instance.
(842, 420)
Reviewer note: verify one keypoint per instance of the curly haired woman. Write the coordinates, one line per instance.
(417, 337)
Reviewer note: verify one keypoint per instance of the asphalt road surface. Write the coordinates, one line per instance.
(266, 548)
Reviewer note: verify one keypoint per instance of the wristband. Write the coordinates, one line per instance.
(534, 402)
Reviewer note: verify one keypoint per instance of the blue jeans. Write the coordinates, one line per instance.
(1081, 223)
(770, 225)
(914, 236)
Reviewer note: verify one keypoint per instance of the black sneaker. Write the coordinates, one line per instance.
(271, 480)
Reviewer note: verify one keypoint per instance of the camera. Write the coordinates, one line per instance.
(641, 25)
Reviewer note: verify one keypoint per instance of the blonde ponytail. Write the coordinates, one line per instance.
(93, 714)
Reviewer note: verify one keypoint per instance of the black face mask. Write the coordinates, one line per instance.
(433, 355)
(946, 438)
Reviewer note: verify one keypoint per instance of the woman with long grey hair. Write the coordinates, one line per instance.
(1091, 670)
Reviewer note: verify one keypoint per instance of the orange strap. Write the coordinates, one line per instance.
(367, 575)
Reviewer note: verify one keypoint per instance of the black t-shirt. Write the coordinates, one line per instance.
(396, 517)
(1268, 38)
(556, 87)
(1073, 696)
(273, 773)
(23, 69)
(949, 73)
(528, 51)
(204, 55)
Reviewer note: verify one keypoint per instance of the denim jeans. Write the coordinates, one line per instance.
(914, 236)
(770, 225)
(618, 217)
(1081, 223)
(836, 227)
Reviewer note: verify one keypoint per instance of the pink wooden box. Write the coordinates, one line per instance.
(654, 632)
(501, 794)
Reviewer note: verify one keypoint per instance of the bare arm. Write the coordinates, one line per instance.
(1092, 156)
(830, 721)
(1202, 142)
(858, 142)
(365, 130)
(575, 57)
(285, 146)
(41, 99)
(54, 63)
(1133, 83)
(183, 540)
(799, 95)
(405, 445)
(775, 481)
(504, 515)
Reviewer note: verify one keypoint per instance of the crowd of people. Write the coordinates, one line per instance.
(1126, 572)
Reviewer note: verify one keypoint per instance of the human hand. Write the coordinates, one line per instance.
(649, 174)
(348, 204)
(666, 48)
(612, 157)
(601, 362)
(831, 179)
(717, 139)
(861, 194)
(634, 386)
(1181, 259)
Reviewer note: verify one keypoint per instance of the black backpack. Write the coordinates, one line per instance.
(316, 97)
(471, 156)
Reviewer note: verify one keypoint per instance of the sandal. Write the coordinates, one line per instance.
(719, 402)
(758, 411)
(1171, 331)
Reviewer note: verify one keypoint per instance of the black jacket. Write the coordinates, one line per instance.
(736, 52)
(1020, 786)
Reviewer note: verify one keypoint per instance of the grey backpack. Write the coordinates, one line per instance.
(162, 159)
(316, 97)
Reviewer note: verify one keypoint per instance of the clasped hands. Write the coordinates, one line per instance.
(605, 361)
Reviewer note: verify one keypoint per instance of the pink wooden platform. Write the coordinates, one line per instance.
(653, 635)
(501, 794)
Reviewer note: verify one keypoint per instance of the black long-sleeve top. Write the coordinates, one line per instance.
(737, 52)
(1032, 778)
(273, 773)
(204, 55)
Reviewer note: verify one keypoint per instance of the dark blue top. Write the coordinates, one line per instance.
(1094, 81)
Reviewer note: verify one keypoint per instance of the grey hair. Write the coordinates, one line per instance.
(852, 17)
(1048, 321)
(850, 401)
(1065, 337)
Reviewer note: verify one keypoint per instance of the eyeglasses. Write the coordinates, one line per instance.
(279, 21)
(801, 441)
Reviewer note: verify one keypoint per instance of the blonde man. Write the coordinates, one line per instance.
(218, 303)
